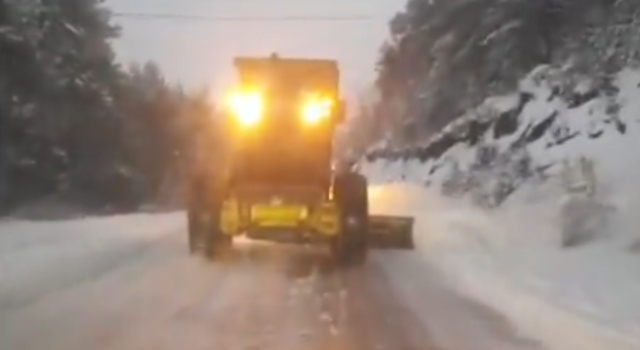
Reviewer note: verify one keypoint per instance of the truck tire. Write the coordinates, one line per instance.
(195, 217)
(215, 242)
(351, 245)
(194, 227)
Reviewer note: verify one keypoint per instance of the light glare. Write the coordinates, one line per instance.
(315, 110)
(248, 107)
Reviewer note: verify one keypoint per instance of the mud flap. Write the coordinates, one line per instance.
(391, 232)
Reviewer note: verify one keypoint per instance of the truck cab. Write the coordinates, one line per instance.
(283, 115)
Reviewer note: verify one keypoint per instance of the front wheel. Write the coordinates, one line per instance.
(351, 245)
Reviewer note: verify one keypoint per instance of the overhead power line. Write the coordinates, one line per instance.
(198, 18)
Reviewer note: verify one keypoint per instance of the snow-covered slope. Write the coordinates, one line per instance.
(556, 138)
(529, 203)
(552, 117)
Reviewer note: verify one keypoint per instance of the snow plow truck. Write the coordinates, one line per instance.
(275, 177)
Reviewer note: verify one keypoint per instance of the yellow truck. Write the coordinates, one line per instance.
(274, 180)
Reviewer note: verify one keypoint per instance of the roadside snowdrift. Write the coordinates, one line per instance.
(37, 256)
(581, 299)
(529, 203)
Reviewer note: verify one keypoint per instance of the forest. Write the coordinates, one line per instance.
(76, 127)
(444, 57)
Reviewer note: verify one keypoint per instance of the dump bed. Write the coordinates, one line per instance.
(298, 73)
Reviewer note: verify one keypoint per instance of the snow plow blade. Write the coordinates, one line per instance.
(391, 232)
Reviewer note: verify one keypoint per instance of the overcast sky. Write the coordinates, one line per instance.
(200, 53)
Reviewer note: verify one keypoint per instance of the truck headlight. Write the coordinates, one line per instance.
(247, 107)
(316, 109)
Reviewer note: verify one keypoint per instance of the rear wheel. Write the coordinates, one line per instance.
(215, 242)
(350, 247)
(196, 212)
(194, 219)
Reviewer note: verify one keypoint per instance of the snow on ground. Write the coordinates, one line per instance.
(559, 253)
(128, 282)
(583, 299)
(38, 256)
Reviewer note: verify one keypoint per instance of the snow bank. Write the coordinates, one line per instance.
(583, 300)
(529, 204)
(35, 256)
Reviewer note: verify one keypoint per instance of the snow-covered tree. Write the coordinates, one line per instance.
(74, 124)
(445, 56)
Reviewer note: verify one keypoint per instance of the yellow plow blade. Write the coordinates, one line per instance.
(391, 232)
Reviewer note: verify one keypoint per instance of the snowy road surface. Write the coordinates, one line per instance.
(128, 283)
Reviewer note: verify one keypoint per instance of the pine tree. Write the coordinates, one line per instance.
(445, 56)
(73, 123)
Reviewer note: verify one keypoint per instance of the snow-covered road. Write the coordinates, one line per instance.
(128, 283)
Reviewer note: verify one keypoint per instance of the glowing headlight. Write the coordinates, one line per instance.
(248, 107)
(314, 110)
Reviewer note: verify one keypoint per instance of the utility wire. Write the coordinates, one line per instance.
(193, 18)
